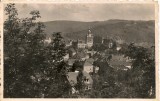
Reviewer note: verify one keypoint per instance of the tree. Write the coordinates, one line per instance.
(104, 82)
(143, 70)
(31, 69)
(23, 45)
(11, 28)
(80, 81)
(56, 70)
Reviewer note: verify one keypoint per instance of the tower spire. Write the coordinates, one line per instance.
(89, 30)
(89, 38)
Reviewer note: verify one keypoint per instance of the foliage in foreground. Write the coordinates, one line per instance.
(32, 69)
(29, 67)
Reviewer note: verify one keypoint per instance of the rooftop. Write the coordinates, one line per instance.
(119, 62)
(72, 50)
(71, 61)
(72, 77)
(80, 55)
(87, 63)
(90, 60)
(118, 58)
(81, 42)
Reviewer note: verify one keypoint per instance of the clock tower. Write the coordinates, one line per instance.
(89, 39)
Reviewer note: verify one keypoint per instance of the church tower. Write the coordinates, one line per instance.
(89, 39)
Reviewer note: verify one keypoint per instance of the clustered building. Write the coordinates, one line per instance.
(82, 51)
(90, 41)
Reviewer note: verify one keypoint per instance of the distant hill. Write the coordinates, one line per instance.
(129, 31)
(69, 26)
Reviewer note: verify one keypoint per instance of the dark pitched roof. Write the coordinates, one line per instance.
(118, 63)
(118, 58)
(72, 50)
(90, 60)
(80, 55)
(81, 42)
(72, 77)
(71, 61)
(87, 63)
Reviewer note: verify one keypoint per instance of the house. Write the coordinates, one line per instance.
(68, 43)
(90, 60)
(110, 45)
(87, 56)
(72, 52)
(81, 56)
(91, 52)
(81, 44)
(122, 65)
(118, 57)
(47, 40)
(75, 44)
(88, 67)
(118, 47)
(66, 57)
(88, 81)
(71, 61)
(119, 41)
(72, 78)
(96, 56)
(120, 62)
(96, 69)
(108, 42)
(97, 40)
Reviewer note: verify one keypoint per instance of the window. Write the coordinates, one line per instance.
(86, 79)
(87, 87)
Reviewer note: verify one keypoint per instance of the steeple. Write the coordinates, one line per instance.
(89, 31)
(89, 38)
(89, 34)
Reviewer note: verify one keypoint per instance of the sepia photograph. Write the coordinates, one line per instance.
(79, 50)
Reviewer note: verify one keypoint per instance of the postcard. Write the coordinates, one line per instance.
(79, 50)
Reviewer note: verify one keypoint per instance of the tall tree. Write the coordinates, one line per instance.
(23, 46)
(11, 29)
(80, 81)
(143, 71)
(30, 68)
(57, 68)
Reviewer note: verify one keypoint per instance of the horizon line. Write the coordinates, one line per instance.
(98, 20)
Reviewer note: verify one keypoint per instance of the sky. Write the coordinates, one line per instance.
(89, 12)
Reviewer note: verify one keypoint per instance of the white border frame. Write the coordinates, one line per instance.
(82, 1)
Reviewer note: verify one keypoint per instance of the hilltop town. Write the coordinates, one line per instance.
(82, 57)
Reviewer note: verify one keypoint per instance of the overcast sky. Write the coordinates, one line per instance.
(89, 12)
